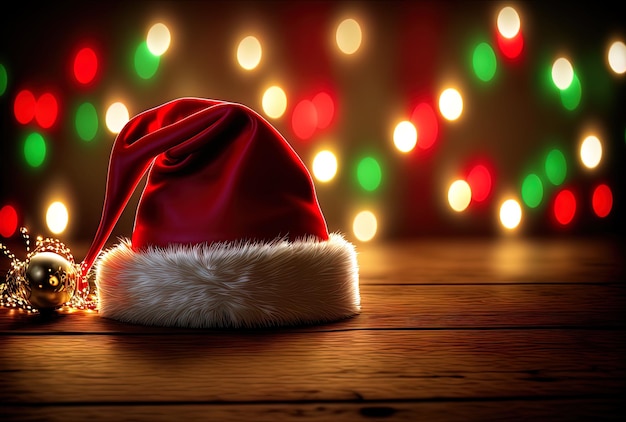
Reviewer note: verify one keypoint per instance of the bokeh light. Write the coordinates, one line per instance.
(324, 166)
(564, 206)
(348, 36)
(146, 63)
(57, 217)
(591, 151)
(304, 119)
(158, 39)
(4, 79)
(459, 195)
(511, 48)
(556, 167)
(479, 181)
(426, 124)
(484, 62)
(274, 102)
(365, 226)
(451, 104)
(249, 52)
(532, 190)
(46, 110)
(369, 173)
(8, 221)
(616, 57)
(510, 214)
(86, 121)
(602, 200)
(24, 106)
(562, 73)
(325, 107)
(571, 96)
(508, 22)
(85, 65)
(35, 149)
(405, 136)
(116, 117)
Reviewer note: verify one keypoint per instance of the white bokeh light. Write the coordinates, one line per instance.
(116, 117)
(57, 217)
(405, 136)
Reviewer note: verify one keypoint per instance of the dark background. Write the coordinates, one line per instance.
(410, 50)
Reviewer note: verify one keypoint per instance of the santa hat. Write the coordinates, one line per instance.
(228, 230)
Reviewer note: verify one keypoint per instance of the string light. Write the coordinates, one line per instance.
(16, 290)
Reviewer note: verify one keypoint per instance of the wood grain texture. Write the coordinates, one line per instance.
(444, 335)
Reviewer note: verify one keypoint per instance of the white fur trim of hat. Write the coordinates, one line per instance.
(230, 285)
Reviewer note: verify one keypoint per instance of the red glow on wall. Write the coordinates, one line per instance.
(427, 125)
(511, 47)
(24, 106)
(602, 200)
(479, 179)
(85, 65)
(8, 221)
(565, 207)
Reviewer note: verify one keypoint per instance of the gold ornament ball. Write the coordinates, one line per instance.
(50, 280)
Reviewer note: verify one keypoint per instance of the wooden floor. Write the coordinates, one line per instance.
(450, 329)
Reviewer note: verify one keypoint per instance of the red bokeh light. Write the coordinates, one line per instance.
(602, 200)
(479, 179)
(510, 47)
(427, 125)
(565, 207)
(304, 120)
(8, 221)
(85, 65)
(47, 110)
(325, 108)
(24, 106)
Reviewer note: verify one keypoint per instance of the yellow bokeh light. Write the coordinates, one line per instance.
(508, 22)
(450, 104)
(325, 166)
(348, 36)
(158, 39)
(57, 217)
(562, 73)
(510, 214)
(274, 102)
(591, 151)
(365, 226)
(459, 195)
(249, 52)
(405, 136)
(617, 57)
(116, 117)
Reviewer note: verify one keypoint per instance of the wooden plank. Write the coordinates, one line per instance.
(492, 260)
(312, 366)
(578, 409)
(408, 306)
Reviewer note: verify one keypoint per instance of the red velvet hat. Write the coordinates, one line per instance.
(228, 230)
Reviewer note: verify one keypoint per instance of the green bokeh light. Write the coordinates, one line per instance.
(532, 190)
(3, 79)
(369, 173)
(570, 97)
(556, 167)
(484, 62)
(35, 149)
(86, 121)
(146, 63)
